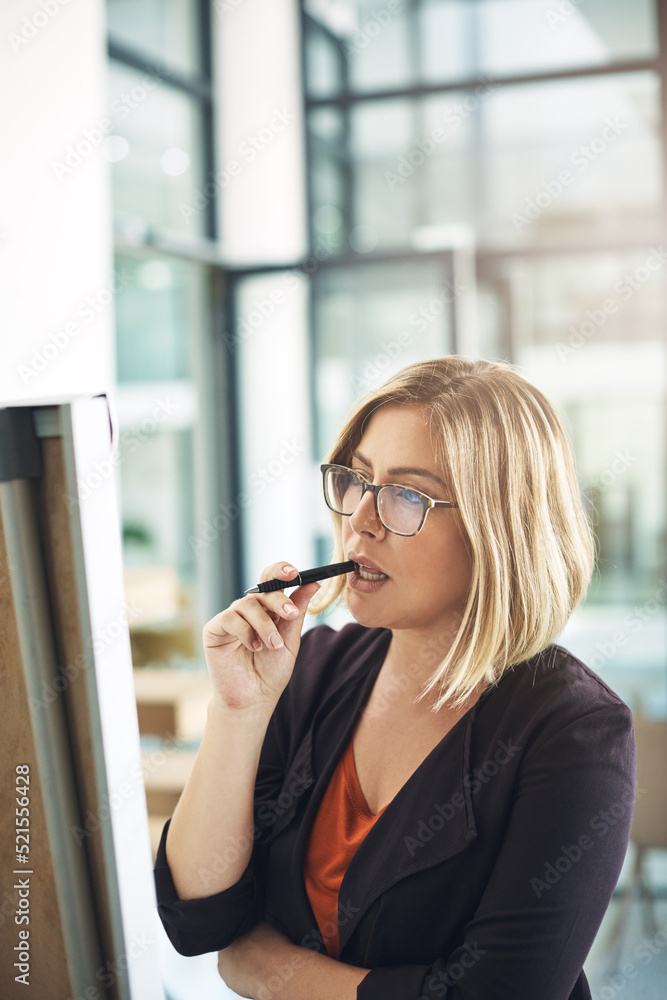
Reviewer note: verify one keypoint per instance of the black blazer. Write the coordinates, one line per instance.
(489, 873)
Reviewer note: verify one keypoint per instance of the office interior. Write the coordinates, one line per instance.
(236, 217)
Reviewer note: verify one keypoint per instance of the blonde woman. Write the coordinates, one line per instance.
(434, 801)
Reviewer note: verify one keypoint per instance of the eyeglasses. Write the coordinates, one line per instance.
(401, 509)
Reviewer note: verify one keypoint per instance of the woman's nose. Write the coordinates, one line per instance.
(365, 517)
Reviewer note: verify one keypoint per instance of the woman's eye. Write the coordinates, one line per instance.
(408, 496)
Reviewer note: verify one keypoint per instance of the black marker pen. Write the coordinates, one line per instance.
(307, 576)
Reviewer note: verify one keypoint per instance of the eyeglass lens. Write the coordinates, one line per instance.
(400, 509)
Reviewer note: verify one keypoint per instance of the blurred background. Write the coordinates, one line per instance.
(237, 217)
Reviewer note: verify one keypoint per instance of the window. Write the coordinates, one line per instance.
(175, 459)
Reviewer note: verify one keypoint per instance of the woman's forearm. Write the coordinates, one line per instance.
(210, 837)
(266, 965)
(304, 975)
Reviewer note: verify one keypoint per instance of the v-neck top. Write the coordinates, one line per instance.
(342, 822)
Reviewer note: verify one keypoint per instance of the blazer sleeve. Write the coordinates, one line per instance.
(553, 878)
(196, 926)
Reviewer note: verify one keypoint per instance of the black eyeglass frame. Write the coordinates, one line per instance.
(427, 502)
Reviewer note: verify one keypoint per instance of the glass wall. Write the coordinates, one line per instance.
(166, 31)
(159, 318)
(523, 163)
(359, 47)
(371, 321)
(588, 329)
(158, 145)
(156, 149)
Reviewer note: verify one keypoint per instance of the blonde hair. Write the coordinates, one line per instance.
(509, 465)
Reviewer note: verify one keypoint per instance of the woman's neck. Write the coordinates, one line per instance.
(409, 663)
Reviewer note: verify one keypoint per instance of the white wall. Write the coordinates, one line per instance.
(260, 150)
(55, 221)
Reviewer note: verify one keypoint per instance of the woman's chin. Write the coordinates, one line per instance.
(363, 614)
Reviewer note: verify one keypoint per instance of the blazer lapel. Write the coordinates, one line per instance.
(331, 730)
(412, 834)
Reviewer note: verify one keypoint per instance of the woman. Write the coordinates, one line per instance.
(434, 801)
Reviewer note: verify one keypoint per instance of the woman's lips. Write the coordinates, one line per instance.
(365, 586)
(365, 563)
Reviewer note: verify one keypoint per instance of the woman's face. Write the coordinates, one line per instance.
(429, 573)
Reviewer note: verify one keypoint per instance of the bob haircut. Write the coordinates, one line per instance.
(509, 465)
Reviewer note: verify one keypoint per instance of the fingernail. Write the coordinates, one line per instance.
(276, 641)
(288, 569)
(256, 644)
(289, 609)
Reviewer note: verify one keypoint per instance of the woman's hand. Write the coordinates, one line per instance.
(250, 648)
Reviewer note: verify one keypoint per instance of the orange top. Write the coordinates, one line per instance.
(343, 820)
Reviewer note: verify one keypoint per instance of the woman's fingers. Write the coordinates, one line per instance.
(249, 621)
(276, 616)
(253, 620)
(251, 646)
(278, 571)
(258, 620)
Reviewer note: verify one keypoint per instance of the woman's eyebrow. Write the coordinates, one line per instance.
(403, 470)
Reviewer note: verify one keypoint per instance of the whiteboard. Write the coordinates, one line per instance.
(84, 895)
